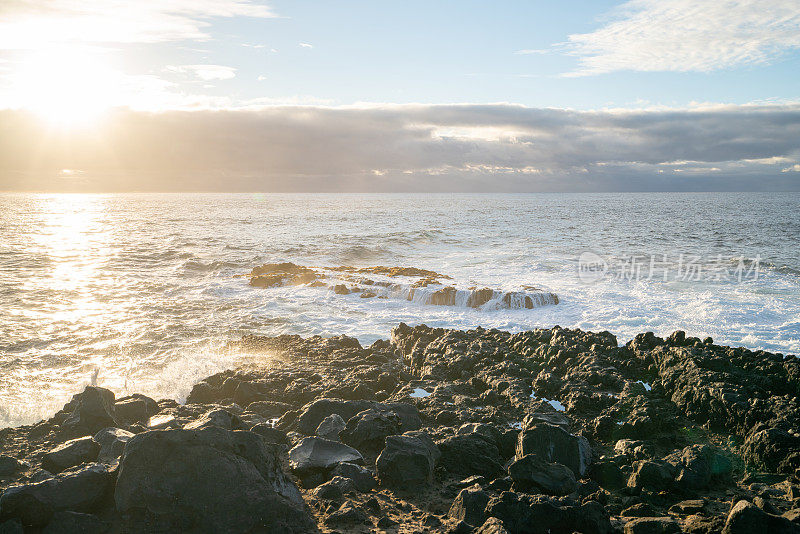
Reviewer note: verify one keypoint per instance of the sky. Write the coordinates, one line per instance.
(251, 95)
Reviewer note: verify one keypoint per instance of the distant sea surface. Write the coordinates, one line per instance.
(140, 289)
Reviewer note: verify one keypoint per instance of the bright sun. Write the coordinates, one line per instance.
(67, 86)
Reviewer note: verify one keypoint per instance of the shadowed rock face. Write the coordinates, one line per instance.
(548, 430)
(209, 480)
(406, 283)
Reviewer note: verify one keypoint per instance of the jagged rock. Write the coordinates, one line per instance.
(407, 460)
(469, 505)
(652, 474)
(367, 430)
(699, 466)
(76, 523)
(314, 412)
(317, 454)
(112, 442)
(216, 418)
(641, 509)
(470, 454)
(80, 490)
(551, 443)
(135, 408)
(361, 477)
(652, 525)
(537, 514)
(89, 411)
(71, 453)
(772, 449)
(746, 518)
(207, 480)
(330, 427)
(492, 526)
(531, 473)
(335, 489)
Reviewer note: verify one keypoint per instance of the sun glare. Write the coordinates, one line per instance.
(67, 86)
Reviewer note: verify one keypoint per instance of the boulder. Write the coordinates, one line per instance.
(551, 443)
(10, 466)
(347, 514)
(469, 505)
(407, 460)
(607, 474)
(111, 442)
(314, 412)
(367, 430)
(89, 412)
(529, 473)
(209, 480)
(330, 427)
(655, 475)
(334, 489)
(538, 514)
(269, 409)
(361, 477)
(216, 418)
(470, 454)
(699, 466)
(652, 525)
(747, 518)
(71, 453)
(82, 489)
(135, 408)
(320, 455)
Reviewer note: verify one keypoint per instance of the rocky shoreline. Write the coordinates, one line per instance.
(433, 430)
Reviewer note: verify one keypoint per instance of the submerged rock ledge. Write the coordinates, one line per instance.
(406, 283)
(435, 430)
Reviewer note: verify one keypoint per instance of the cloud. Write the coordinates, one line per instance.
(793, 168)
(533, 52)
(491, 147)
(688, 35)
(306, 45)
(35, 24)
(205, 72)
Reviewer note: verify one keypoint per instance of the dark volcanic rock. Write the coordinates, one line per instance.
(492, 526)
(82, 489)
(367, 430)
(537, 514)
(111, 442)
(531, 473)
(317, 454)
(313, 413)
(552, 443)
(216, 418)
(469, 505)
(470, 454)
(652, 525)
(209, 480)
(71, 453)
(654, 475)
(330, 427)
(746, 518)
(76, 523)
(10, 466)
(135, 408)
(89, 412)
(361, 477)
(407, 460)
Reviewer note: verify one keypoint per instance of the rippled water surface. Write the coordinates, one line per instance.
(140, 288)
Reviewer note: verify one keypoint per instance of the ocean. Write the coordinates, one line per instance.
(140, 293)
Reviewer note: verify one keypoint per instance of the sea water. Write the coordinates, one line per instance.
(140, 293)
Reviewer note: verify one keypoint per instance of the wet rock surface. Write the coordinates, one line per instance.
(433, 430)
